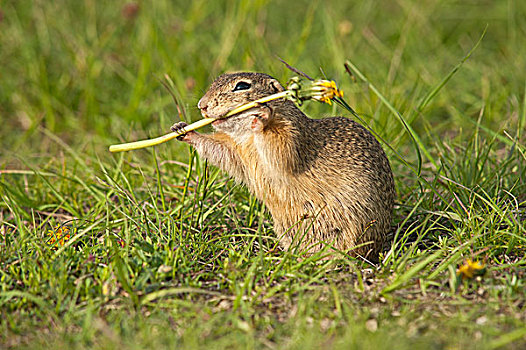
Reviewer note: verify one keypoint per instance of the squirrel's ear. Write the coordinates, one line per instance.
(261, 119)
(276, 86)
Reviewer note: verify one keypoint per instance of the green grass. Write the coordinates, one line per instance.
(166, 251)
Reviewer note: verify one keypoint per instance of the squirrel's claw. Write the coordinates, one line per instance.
(177, 128)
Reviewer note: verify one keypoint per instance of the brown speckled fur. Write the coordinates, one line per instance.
(324, 181)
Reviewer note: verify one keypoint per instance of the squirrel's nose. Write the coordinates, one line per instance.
(201, 105)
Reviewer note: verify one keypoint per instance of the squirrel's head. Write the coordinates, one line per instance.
(233, 90)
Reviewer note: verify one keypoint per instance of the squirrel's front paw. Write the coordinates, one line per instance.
(177, 127)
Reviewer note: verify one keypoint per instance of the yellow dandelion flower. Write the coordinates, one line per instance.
(60, 234)
(324, 91)
(320, 90)
(471, 269)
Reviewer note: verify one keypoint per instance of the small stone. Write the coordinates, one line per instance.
(481, 320)
(325, 324)
(164, 269)
(371, 325)
(244, 326)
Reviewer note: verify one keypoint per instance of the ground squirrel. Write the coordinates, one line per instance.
(325, 181)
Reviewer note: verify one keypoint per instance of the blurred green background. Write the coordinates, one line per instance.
(93, 68)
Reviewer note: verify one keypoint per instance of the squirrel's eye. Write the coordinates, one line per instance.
(242, 85)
